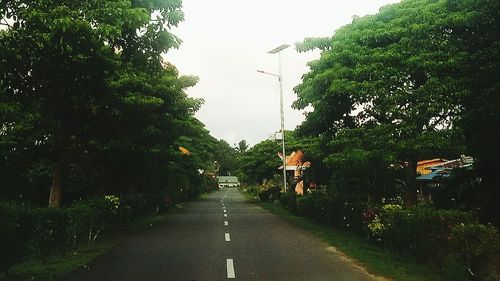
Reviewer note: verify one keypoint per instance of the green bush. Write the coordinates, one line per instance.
(27, 231)
(145, 204)
(331, 210)
(91, 217)
(270, 194)
(253, 190)
(50, 231)
(209, 183)
(288, 201)
(421, 232)
(15, 229)
(477, 246)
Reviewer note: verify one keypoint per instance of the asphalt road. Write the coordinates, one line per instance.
(218, 238)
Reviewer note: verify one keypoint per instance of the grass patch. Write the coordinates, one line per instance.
(58, 265)
(374, 259)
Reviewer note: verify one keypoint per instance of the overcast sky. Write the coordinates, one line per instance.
(226, 41)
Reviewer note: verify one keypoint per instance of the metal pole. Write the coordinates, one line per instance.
(282, 123)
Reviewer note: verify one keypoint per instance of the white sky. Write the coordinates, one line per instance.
(226, 41)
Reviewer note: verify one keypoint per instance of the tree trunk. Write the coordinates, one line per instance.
(411, 183)
(56, 189)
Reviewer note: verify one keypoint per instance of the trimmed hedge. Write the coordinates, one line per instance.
(331, 210)
(422, 232)
(28, 231)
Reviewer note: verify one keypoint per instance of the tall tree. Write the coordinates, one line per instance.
(395, 69)
(476, 28)
(242, 146)
(57, 60)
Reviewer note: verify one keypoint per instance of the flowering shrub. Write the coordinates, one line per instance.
(89, 218)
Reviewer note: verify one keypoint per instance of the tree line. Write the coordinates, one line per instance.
(418, 80)
(89, 106)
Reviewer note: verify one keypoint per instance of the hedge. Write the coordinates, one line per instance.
(28, 231)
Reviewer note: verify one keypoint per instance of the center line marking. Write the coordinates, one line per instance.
(230, 269)
(224, 211)
(226, 223)
(225, 215)
(228, 238)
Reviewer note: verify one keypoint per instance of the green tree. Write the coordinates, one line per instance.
(242, 146)
(395, 69)
(57, 62)
(476, 31)
(260, 162)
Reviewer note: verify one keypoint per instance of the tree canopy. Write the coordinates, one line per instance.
(87, 101)
(410, 79)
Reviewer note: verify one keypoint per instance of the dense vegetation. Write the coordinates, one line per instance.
(407, 84)
(418, 80)
(94, 120)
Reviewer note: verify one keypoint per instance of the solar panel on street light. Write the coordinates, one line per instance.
(278, 49)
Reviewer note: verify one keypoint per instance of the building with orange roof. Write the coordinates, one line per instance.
(423, 165)
(295, 162)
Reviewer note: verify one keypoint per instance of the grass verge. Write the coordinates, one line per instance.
(374, 259)
(59, 265)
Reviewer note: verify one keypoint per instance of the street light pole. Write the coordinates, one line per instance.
(282, 113)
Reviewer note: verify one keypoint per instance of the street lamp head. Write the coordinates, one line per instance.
(279, 49)
(272, 74)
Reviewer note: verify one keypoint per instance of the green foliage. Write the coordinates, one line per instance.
(50, 233)
(28, 231)
(84, 86)
(14, 232)
(260, 162)
(396, 79)
(288, 201)
(478, 247)
(421, 232)
(146, 204)
(242, 146)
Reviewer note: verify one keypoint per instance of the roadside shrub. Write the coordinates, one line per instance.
(346, 215)
(305, 206)
(253, 190)
(209, 183)
(145, 204)
(421, 232)
(288, 201)
(50, 231)
(331, 210)
(15, 230)
(270, 194)
(89, 218)
(314, 206)
(478, 247)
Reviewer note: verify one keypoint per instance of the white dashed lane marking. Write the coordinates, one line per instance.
(225, 215)
(226, 223)
(228, 238)
(230, 269)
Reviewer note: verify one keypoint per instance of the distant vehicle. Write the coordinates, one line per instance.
(228, 181)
